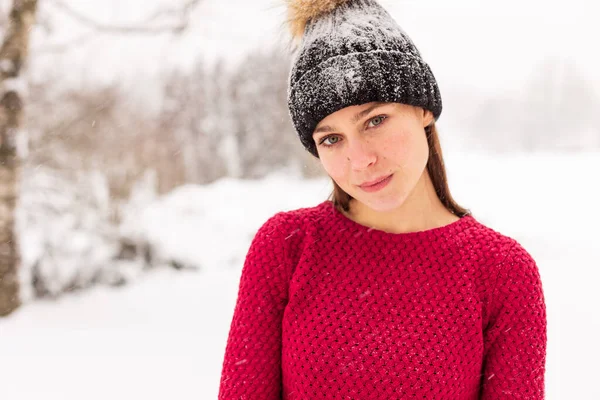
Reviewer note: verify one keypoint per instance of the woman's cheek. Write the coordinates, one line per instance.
(338, 170)
(333, 166)
(397, 149)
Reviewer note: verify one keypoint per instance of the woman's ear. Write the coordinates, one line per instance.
(427, 118)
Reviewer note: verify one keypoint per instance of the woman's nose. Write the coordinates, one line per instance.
(360, 154)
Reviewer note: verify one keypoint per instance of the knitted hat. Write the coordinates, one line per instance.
(352, 52)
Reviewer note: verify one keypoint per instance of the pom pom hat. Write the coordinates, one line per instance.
(352, 52)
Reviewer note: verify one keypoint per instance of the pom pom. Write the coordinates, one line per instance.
(302, 11)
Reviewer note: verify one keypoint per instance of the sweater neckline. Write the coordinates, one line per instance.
(446, 230)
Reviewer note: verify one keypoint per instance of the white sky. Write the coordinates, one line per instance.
(492, 43)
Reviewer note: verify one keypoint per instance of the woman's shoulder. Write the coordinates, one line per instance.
(496, 244)
(502, 265)
(284, 233)
(291, 224)
(297, 218)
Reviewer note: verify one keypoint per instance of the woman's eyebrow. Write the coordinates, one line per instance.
(355, 119)
(324, 128)
(366, 112)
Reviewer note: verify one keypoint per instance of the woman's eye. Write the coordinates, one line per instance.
(377, 120)
(329, 138)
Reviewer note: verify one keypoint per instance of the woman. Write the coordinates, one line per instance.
(388, 290)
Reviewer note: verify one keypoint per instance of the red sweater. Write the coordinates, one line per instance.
(331, 309)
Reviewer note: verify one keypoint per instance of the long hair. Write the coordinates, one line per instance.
(437, 172)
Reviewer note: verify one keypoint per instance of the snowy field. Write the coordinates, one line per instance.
(164, 336)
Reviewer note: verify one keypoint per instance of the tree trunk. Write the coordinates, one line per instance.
(13, 56)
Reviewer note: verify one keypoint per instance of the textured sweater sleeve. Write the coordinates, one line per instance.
(252, 362)
(515, 337)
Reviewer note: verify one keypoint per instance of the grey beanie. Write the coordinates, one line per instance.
(352, 52)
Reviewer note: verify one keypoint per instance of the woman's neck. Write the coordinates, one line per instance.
(421, 211)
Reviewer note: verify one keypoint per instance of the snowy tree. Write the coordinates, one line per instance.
(562, 108)
(13, 58)
(232, 121)
(556, 110)
(266, 139)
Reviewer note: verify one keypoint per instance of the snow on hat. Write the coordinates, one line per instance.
(352, 52)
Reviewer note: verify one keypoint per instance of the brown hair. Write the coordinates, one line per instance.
(437, 172)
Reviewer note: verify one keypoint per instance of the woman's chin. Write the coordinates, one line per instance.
(382, 204)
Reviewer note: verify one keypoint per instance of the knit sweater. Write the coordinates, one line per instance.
(331, 309)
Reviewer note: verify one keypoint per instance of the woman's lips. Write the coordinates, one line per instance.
(377, 186)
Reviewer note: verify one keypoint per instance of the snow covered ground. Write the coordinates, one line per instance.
(164, 336)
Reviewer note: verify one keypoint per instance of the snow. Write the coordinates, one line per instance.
(52, 209)
(365, 24)
(164, 335)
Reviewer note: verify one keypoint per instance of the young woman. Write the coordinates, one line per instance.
(389, 289)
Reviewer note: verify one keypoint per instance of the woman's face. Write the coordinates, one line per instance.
(360, 144)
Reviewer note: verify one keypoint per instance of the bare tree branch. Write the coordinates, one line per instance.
(183, 12)
(65, 46)
(145, 27)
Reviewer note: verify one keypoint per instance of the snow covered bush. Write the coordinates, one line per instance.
(68, 235)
